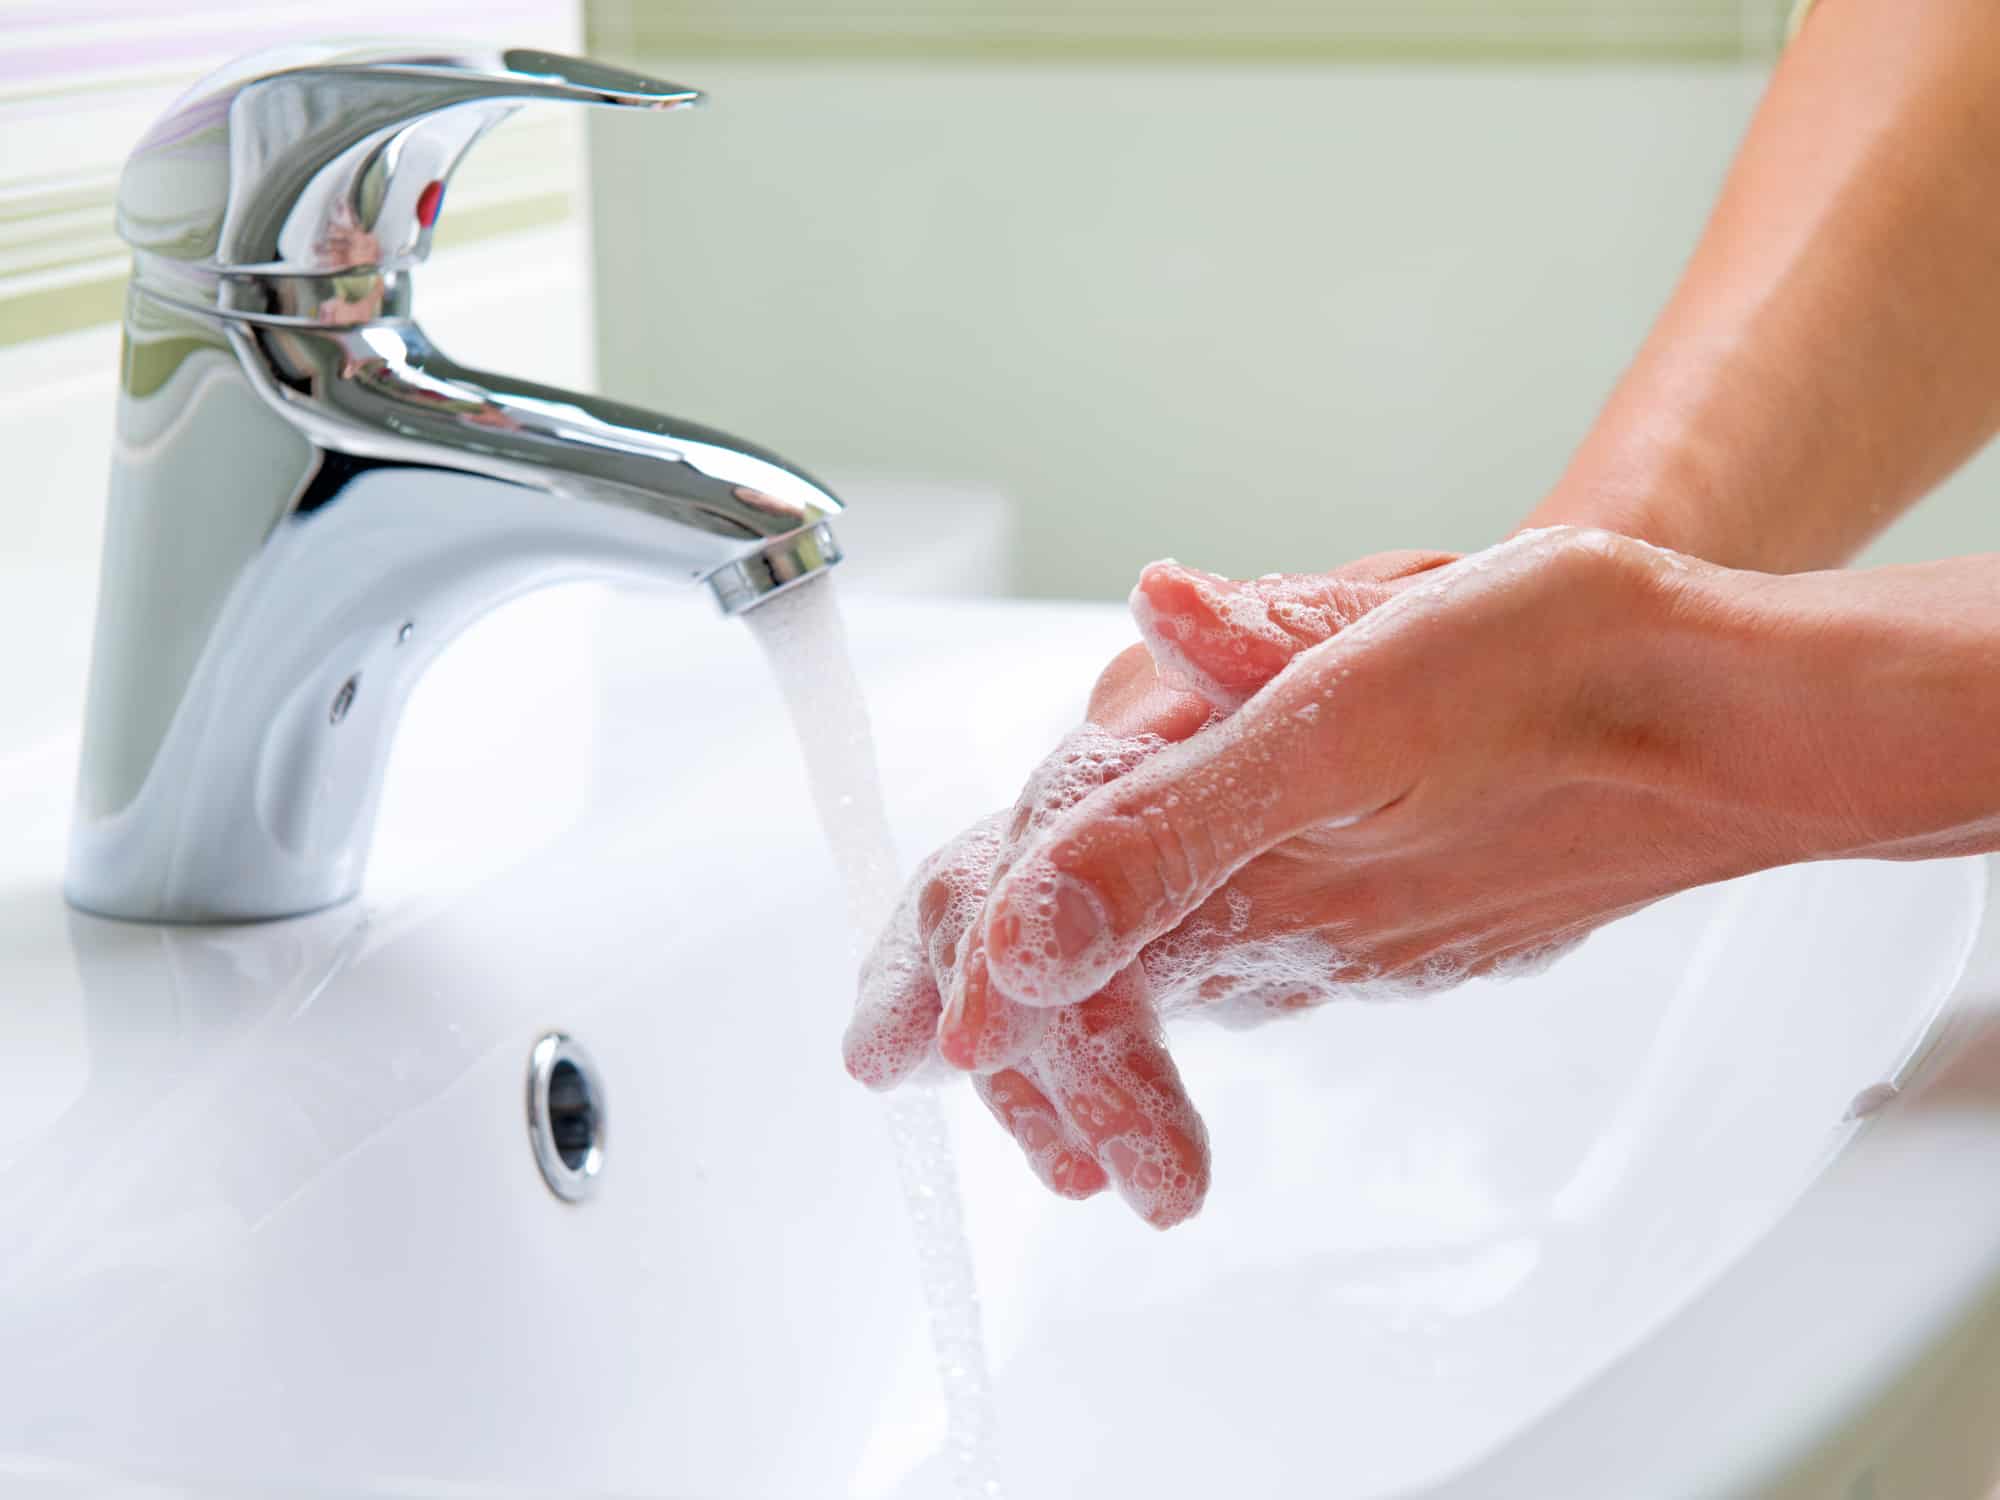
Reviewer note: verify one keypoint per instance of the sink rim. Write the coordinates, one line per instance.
(1833, 1405)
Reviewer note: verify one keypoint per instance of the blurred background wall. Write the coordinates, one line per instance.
(1260, 285)
(1050, 289)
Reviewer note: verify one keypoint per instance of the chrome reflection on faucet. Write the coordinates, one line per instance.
(309, 499)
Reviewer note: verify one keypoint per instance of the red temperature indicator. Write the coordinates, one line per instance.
(429, 201)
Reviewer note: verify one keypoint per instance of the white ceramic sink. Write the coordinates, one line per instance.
(270, 1223)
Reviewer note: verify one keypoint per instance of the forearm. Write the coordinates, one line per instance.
(1829, 354)
(1835, 715)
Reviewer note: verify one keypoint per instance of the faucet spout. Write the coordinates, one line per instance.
(734, 515)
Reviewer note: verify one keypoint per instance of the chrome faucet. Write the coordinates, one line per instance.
(309, 499)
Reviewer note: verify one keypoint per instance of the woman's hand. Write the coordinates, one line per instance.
(1476, 768)
(1515, 752)
(1029, 1061)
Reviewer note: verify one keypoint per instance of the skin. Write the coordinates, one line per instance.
(1827, 358)
(1127, 1123)
(1416, 768)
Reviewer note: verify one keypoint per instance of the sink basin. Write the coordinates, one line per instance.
(1708, 1209)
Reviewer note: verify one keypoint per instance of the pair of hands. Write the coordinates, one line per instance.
(1385, 779)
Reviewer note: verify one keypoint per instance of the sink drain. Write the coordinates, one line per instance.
(566, 1116)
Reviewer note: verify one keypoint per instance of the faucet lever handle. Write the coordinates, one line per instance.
(323, 160)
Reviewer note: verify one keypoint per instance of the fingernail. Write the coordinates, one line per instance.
(954, 1043)
(1078, 919)
(868, 1060)
(964, 1014)
(1037, 1134)
(1047, 940)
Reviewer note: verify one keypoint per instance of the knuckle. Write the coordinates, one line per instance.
(1585, 557)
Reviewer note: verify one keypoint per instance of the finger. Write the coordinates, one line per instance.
(1107, 1070)
(981, 1029)
(1131, 700)
(949, 889)
(950, 893)
(895, 1014)
(1089, 757)
(1395, 568)
(1133, 859)
(894, 1025)
(1225, 639)
(1061, 1159)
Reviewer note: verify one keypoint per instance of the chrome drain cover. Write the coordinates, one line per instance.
(566, 1116)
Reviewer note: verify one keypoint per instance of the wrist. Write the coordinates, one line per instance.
(1680, 706)
(1893, 673)
(1694, 452)
(1836, 715)
(1652, 497)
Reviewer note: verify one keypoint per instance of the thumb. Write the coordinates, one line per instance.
(1134, 858)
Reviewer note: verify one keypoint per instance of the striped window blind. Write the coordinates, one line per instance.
(80, 81)
(1277, 30)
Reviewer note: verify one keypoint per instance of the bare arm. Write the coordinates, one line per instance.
(1833, 349)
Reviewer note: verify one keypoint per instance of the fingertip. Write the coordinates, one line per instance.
(1148, 1133)
(874, 1065)
(1213, 635)
(888, 1038)
(896, 1005)
(1172, 587)
(1163, 1189)
(1193, 1196)
(884, 1044)
(1048, 940)
(1077, 1176)
(1169, 1220)
(1062, 1163)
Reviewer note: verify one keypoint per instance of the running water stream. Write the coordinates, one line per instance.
(805, 640)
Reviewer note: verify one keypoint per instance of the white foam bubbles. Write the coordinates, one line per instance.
(1088, 758)
(1167, 638)
(1279, 616)
(1211, 970)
